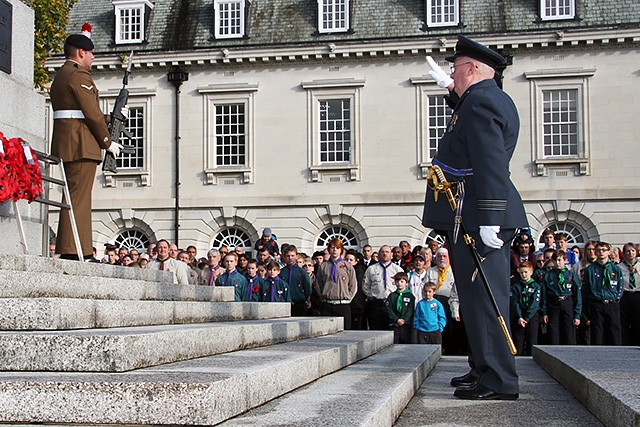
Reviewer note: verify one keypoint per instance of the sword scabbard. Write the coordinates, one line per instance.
(507, 335)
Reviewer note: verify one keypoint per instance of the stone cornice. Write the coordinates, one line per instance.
(337, 51)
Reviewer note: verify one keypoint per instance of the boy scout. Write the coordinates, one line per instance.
(604, 284)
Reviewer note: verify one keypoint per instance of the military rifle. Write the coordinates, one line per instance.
(117, 126)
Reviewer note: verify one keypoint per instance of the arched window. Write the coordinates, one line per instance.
(575, 235)
(232, 237)
(132, 239)
(347, 236)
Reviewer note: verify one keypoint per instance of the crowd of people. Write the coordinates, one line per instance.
(573, 296)
(558, 295)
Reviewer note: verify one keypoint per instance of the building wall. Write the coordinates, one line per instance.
(384, 204)
(21, 112)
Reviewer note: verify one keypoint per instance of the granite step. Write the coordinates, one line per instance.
(125, 349)
(372, 392)
(37, 264)
(204, 391)
(24, 284)
(39, 314)
(604, 379)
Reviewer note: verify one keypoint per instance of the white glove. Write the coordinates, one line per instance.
(114, 148)
(125, 112)
(438, 74)
(489, 236)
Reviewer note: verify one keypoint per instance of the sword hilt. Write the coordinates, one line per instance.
(440, 184)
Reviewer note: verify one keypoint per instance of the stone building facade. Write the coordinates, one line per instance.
(317, 117)
(21, 116)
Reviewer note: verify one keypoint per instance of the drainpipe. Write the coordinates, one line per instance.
(177, 77)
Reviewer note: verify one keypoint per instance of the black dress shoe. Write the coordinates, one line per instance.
(467, 380)
(480, 392)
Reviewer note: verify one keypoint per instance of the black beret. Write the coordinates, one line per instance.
(472, 49)
(81, 41)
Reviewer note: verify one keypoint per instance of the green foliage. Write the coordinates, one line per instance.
(51, 19)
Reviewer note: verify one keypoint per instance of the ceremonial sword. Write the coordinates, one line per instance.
(440, 184)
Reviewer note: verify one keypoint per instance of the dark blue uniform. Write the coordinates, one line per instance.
(476, 149)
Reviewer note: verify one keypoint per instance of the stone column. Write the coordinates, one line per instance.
(22, 114)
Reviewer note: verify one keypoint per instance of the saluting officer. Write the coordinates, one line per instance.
(475, 152)
(79, 133)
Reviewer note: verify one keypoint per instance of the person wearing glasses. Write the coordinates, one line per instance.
(603, 286)
(474, 153)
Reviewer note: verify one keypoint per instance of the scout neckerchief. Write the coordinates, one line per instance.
(334, 269)
(561, 280)
(273, 288)
(250, 287)
(228, 281)
(399, 302)
(442, 274)
(632, 277)
(606, 274)
(212, 277)
(384, 273)
(290, 275)
(525, 290)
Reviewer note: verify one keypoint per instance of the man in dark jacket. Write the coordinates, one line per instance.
(475, 152)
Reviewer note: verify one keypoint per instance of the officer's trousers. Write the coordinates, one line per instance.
(492, 358)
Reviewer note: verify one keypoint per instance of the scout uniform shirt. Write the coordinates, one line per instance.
(631, 274)
(254, 288)
(429, 316)
(562, 284)
(525, 299)
(275, 290)
(603, 283)
(235, 279)
(299, 282)
(401, 305)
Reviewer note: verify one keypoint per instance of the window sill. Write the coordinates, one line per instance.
(424, 169)
(212, 176)
(542, 165)
(111, 179)
(352, 171)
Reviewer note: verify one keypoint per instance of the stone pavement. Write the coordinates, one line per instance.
(543, 402)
